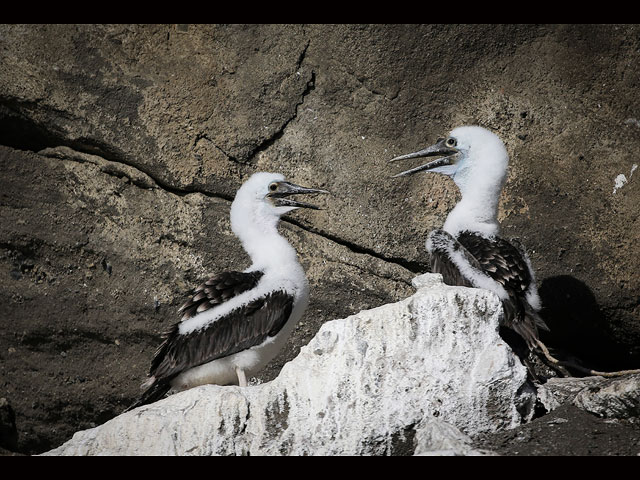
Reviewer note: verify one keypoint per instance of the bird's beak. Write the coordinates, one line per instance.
(445, 165)
(286, 189)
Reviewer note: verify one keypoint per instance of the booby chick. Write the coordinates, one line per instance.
(236, 322)
(468, 250)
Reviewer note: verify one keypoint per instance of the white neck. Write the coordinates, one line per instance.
(258, 232)
(478, 209)
(477, 213)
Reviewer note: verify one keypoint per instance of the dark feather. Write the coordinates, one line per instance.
(500, 260)
(226, 336)
(152, 394)
(218, 289)
(239, 330)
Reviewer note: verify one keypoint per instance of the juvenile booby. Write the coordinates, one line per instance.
(468, 250)
(236, 322)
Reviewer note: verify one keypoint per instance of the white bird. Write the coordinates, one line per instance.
(468, 250)
(236, 322)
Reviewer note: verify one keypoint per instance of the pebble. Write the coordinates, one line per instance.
(557, 421)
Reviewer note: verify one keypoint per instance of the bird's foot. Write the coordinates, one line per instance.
(242, 379)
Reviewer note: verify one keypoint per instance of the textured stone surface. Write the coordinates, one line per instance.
(605, 397)
(194, 110)
(617, 398)
(585, 417)
(360, 387)
(434, 437)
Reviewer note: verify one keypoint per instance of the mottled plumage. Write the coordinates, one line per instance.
(468, 251)
(235, 322)
(218, 289)
(501, 261)
(242, 328)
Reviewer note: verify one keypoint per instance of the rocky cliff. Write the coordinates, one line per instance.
(121, 147)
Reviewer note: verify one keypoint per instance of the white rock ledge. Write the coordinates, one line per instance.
(421, 376)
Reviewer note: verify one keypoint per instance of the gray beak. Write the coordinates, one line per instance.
(279, 191)
(444, 164)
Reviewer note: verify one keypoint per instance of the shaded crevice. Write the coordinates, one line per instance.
(302, 55)
(413, 266)
(228, 156)
(271, 140)
(19, 131)
(45, 340)
(310, 86)
(104, 151)
(372, 273)
(87, 148)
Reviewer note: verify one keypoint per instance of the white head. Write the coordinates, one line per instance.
(476, 160)
(257, 208)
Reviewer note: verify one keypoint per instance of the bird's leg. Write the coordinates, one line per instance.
(242, 379)
(586, 371)
(546, 353)
(550, 360)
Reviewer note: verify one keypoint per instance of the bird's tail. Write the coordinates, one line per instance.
(153, 393)
(537, 320)
(527, 328)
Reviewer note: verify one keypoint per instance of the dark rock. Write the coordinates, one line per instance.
(8, 430)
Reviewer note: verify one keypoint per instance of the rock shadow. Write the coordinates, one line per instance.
(579, 326)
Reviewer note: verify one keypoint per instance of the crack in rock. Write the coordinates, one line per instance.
(277, 135)
(143, 179)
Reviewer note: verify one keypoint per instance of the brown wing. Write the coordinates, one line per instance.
(441, 261)
(242, 328)
(218, 289)
(498, 259)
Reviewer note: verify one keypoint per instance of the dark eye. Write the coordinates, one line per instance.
(273, 187)
(451, 142)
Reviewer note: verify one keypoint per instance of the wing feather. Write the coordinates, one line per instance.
(218, 289)
(242, 328)
(497, 259)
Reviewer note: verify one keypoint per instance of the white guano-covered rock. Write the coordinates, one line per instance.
(423, 374)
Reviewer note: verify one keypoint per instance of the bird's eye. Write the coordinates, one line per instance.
(451, 142)
(273, 187)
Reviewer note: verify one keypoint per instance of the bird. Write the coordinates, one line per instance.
(468, 249)
(236, 322)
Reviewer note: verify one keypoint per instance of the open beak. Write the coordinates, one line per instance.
(286, 189)
(445, 164)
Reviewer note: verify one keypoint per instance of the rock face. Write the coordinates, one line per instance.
(420, 375)
(612, 398)
(619, 398)
(121, 147)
